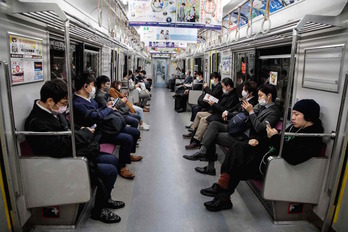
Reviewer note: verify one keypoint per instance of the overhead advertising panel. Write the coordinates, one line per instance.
(168, 34)
(165, 44)
(176, 13)
(258, 11)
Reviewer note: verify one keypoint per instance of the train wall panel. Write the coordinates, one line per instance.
(329, 101)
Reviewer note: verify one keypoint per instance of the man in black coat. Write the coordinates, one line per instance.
(215, 91)
(48, 115)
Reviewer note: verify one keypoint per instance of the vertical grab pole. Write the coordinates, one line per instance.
(70, 93)
(288, 89)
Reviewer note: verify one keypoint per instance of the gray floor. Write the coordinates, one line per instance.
(164, 196)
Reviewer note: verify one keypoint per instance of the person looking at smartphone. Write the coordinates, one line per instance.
(246, 160)
(217, 132)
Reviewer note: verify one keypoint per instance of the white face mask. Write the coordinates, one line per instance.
(262, 102)
(244, 94)
(91, 94)
(212, 82)
(197, 78)
(107, 88)
(61, 110)
(224, 91)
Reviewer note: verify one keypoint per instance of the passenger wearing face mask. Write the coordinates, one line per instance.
(199, 126)
(217, 132)
(246, 160)
(87, 113)
(181, 101)
(47, 115)
(115, 92)
(102, 98)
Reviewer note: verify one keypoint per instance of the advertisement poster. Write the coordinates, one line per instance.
(25, 59)
(226, 59)
(151, 12)
(163, 34)
(165, 44)
(176, 13)
(273, 78)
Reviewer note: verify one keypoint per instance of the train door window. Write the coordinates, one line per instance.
(273, 67)
(91, 60)
(244, 66)
(57, 59)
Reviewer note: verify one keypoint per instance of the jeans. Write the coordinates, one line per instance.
(107, 166)
(132, 120)
(139, 111)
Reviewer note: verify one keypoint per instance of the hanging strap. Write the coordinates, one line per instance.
(237, 35)
(266, 19)
(250, 20)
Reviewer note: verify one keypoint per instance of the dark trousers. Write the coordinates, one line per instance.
(127, 139)
(107, 174)
(242, 163)
(107, 166)
(195, 110)
(217, 134)
(132, 120)
(181, 102)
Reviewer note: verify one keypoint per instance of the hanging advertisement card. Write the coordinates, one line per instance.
(226, 63)
(168, 34)
(25, 59)
(273, 78)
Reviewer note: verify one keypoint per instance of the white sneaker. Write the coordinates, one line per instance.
(144, 128)
(146, 125)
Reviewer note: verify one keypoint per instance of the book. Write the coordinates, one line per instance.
(208, 98)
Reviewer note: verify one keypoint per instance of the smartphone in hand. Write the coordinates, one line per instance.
(115, 102)
(268, 125)
(93, 127)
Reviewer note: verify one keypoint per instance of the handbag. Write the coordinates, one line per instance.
(111, 124)
(237, 124)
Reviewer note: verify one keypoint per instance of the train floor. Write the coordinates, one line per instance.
(164, 196)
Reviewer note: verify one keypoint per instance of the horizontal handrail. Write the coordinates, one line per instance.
(50, 133)
(331, 135)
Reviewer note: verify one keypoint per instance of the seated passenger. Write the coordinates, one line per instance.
(186, 84)
(115, 92)
(215, 91)
(102, 98)
(228, 100)
(217, 132)
(246, 160)
(47, 115)
(181, 100)
(87, 113)
(144, 96)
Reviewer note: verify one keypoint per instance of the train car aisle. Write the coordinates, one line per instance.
(164, 196)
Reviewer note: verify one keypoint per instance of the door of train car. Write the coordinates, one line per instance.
(160, 71)
(91, 60)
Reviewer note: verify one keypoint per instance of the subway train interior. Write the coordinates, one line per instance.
(174, 115)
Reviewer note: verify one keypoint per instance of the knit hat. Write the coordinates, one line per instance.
(309, 108)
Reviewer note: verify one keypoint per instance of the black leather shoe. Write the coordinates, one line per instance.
(181, 110)
(196, 156)
(218, 204)
(187, 136)
(192, 146)
(205, 170)
(115, 204)
(106, 216)
(188, 127)
(214, 191)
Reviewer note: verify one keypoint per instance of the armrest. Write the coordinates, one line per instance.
(50, 181)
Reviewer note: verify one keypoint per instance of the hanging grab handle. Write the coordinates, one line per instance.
(266, 19)
(100, 13)
(237, 35)
(249, 30)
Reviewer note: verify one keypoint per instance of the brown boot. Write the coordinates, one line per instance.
(125, 173)
(135, 158)
(146, 109)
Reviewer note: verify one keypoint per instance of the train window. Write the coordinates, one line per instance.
(91, 62)
(244, 66)
(275, 71)
(216, 60)
(57, 58)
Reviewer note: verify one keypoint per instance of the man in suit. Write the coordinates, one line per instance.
(181, 16)
(265, 111)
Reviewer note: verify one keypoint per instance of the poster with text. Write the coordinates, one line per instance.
(168, 34)
(25, 59)
(151, 12)
(165, 44)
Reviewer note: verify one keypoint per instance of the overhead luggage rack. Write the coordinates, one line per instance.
(77, 29)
